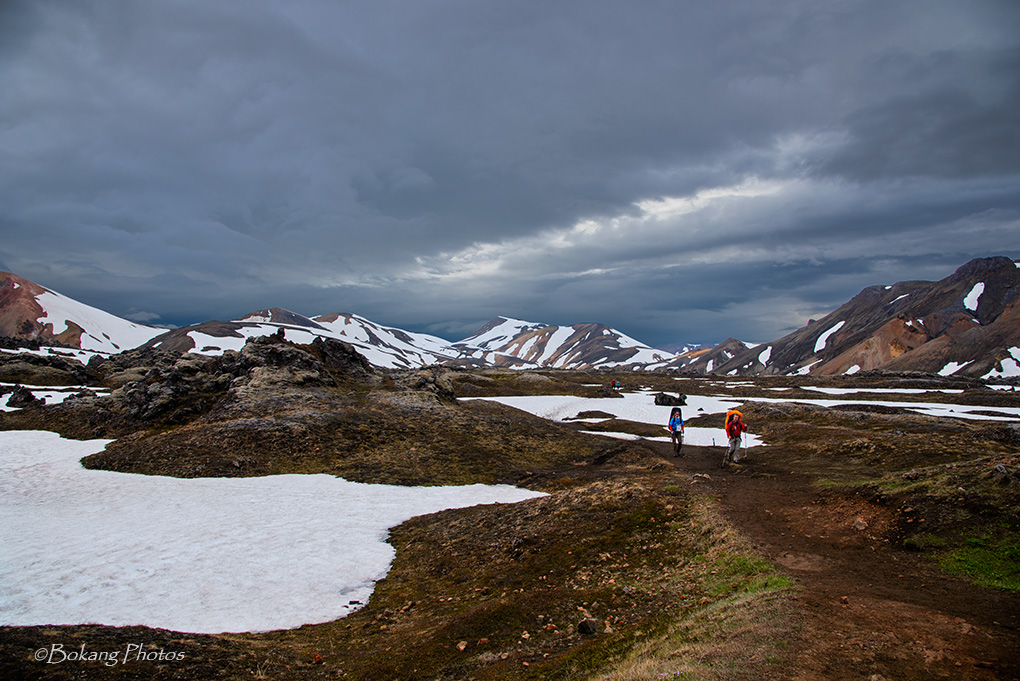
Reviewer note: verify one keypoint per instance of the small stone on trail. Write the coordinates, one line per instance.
(860, 524)
(845, 600)
(461, 646)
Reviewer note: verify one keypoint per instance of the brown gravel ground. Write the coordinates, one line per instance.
(793, 565)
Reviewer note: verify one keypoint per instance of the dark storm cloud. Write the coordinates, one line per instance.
(680, 170)
(962, 124)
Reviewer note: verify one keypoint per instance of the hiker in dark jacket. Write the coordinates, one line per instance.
(676, 431)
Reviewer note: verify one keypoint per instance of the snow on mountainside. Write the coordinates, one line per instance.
(502, 342)
(32, 312)
(967, 324)
(515, 343)
(384, 347)
(708, 360)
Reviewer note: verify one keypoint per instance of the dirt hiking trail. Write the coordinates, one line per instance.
(870, 610)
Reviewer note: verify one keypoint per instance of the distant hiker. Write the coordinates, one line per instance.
(735, 428)
(676, 430)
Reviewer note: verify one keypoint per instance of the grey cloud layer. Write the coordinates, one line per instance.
(427, 164)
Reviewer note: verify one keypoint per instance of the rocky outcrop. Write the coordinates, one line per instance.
(49, 369)
(266, 368)
(22, 397)
(157, 388)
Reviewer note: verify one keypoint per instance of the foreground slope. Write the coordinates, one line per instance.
(618, 554)
(636, 566)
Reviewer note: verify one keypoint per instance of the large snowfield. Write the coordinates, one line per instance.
(204, 555)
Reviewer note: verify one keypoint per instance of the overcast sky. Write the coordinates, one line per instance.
(681, 170)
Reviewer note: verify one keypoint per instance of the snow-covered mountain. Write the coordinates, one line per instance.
(503, 342)
(968, 324)
(32, 312)
(383, 346)
(515, 343)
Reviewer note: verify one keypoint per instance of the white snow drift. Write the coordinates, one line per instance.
(203, 555)
(639, 407)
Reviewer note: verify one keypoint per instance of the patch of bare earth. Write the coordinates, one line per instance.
(870, 609)
(637, 565)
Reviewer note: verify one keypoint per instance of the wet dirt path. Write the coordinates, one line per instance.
(870, 610)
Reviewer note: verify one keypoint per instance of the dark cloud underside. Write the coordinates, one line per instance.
(683, 171)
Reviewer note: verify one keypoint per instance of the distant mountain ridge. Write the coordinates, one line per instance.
(32, 312)
(502, 342)
(512, 342)
(967, 324)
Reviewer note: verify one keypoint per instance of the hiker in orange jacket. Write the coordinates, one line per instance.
(735, 427)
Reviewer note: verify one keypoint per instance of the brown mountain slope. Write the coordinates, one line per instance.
(19, 314)
(965, 323)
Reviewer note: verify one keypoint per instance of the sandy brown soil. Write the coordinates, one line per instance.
(871, 610)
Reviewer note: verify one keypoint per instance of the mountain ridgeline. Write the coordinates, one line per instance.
(967, 324)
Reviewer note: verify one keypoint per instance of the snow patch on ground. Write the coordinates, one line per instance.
(82, 356)
(901, 391)
(639, 407)
(200, 555)
(940, 409)
(765, 355)
(50, 394)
